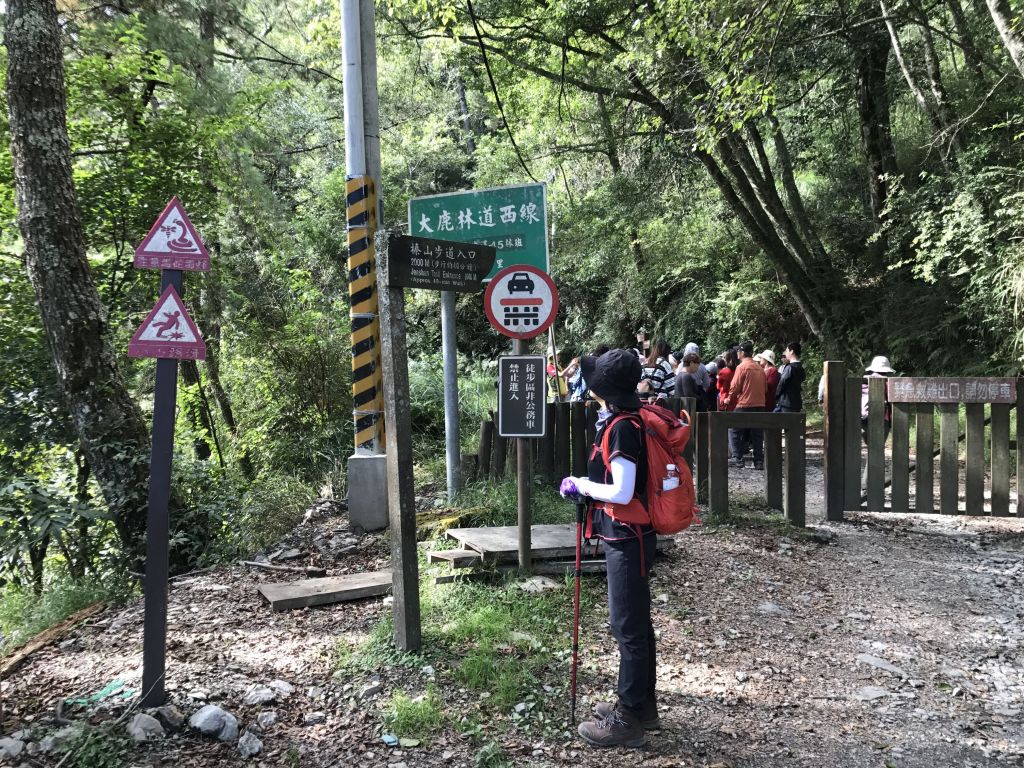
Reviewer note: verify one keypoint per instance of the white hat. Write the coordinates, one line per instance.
(768, 356)
(880, 364)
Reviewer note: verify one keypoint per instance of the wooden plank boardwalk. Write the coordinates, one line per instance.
(332, 589)
(550, 542)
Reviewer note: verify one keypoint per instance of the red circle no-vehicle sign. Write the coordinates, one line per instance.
(521, 301)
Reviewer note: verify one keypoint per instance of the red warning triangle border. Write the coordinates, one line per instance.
(175, 350)
(193, 262)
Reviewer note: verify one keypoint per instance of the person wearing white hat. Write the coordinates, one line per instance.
(766, 360)
(880, 368)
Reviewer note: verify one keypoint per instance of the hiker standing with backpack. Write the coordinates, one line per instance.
(629, 546)
(624, 511)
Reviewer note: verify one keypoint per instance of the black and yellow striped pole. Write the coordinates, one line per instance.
(367, 402)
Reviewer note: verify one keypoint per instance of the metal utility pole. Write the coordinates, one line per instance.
(367, 478)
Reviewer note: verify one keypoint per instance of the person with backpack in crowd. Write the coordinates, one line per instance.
(617, 516)
(788, 392)
(747, 393)
(771, 376)
(657, 381)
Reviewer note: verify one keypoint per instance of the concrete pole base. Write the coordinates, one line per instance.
(368, 491)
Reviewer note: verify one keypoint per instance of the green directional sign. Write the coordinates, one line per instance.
(512, 220)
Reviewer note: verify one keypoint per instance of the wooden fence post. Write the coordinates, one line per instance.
(718, 491)
(974, 484)
(796, 473)
(1001, 458)
(702, 436)
(876, 444)
(484, 450)
(924, 456)
(901, 457)
(852, 441)
(773, 466)
(500, 455)
(949, 458)
(835, 442)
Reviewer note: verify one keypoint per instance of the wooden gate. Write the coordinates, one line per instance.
(865, 470)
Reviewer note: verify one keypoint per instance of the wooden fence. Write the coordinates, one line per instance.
(858, 475)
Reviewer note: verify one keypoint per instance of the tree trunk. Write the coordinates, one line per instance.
(615, 163)
(796, 202)
(931, 63)
(970, 51)
(201, 423)
(767, 240)
(875, 123)
(897, 49)
(1002, 15)
(109, 423)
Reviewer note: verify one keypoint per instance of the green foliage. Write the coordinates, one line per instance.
(24, 614)
(416, 717)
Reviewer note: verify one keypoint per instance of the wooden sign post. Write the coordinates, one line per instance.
(169, 335)
(412, 262)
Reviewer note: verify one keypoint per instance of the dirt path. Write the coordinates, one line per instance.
(886, 641)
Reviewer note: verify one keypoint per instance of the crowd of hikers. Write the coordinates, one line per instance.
(738, 379)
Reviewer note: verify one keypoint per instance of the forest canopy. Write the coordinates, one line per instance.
(846, 173)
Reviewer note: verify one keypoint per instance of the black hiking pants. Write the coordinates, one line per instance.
(629, 613)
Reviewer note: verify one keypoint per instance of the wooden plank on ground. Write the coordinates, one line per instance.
(1000, 459)
(924, 489)
(500, 543)
(949, 458)
(974, 486)
(543, 567)
(852, 455)
(901, 457)
(456, 558)
(12, 663)
(876, 444)
(333, 589)
(773, 468)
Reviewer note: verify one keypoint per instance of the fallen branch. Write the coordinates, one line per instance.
(19, 657)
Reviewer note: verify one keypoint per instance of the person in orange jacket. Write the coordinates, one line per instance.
(747, 393)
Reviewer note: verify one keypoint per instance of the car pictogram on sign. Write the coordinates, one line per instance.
(520, 282)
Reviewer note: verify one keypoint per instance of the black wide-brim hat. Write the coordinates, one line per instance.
(614, 377)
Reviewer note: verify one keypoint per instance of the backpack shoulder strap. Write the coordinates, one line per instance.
(606, 434)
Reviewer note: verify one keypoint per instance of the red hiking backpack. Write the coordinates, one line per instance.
(665, 437)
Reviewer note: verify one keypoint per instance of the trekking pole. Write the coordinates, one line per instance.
(581, 513)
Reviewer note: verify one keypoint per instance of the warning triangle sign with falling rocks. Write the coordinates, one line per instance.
(173, 243)
(168, 331)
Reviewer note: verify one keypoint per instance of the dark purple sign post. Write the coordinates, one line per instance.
(168, 334)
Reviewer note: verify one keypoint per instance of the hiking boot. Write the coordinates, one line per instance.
(648, 716)
(759, 465)
(620, 728)
(738, 463)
